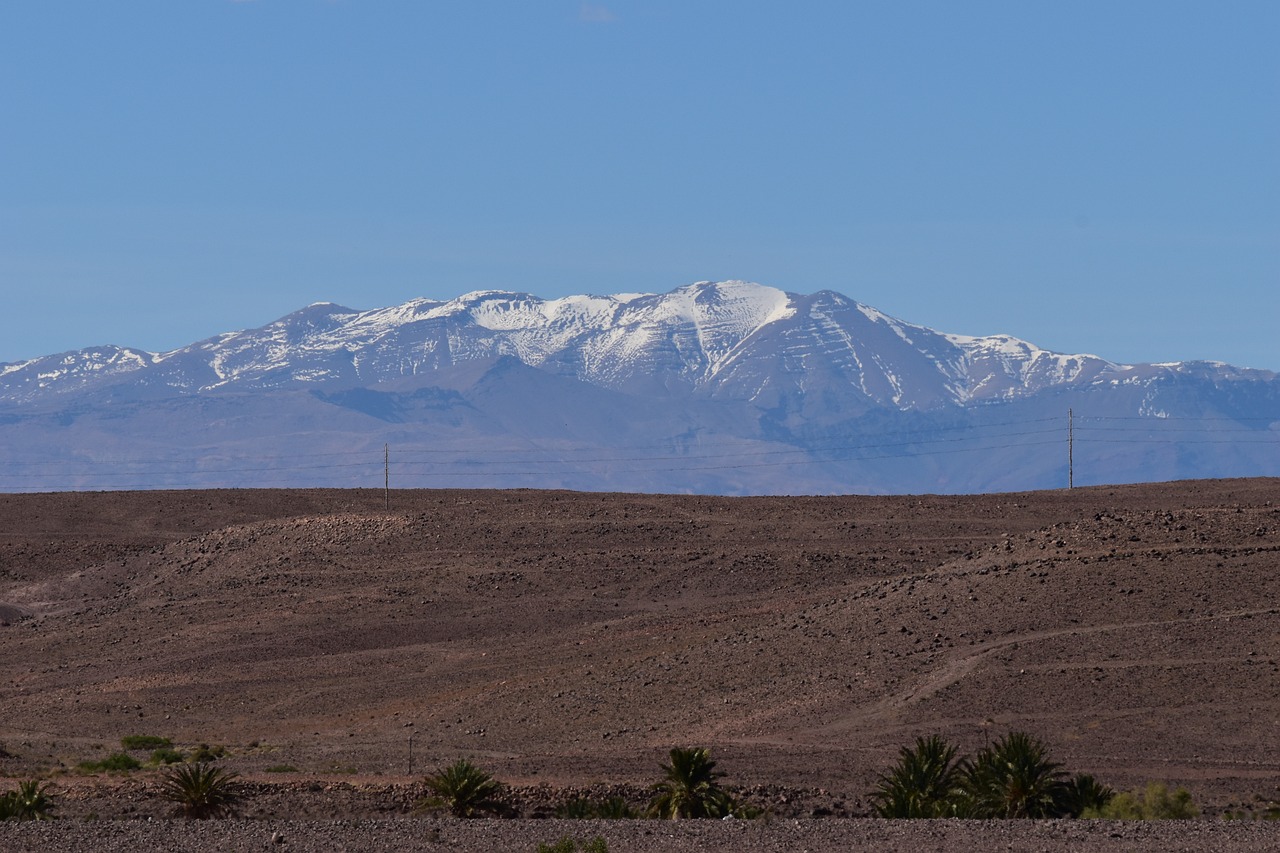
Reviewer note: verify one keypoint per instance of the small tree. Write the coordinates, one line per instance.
(462, 788)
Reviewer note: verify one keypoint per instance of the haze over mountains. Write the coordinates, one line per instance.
(716, 387)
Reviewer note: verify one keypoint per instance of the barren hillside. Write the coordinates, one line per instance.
(574, 638)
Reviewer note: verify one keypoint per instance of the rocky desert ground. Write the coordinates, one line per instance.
(340, 647)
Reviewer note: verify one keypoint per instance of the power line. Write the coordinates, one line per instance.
(739, 453)
(754, 453)
(748, 464)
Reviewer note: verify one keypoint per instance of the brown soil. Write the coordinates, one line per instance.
(568, 639)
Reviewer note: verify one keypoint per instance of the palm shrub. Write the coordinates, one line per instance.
(31, 801)
(462, 788)
(1083, 794)
(579, 808)
(1013, 778)
(690, 789)
(615, 808)
(201, 790)
(924, 783)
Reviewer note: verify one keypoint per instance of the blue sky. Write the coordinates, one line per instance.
(1091, 176)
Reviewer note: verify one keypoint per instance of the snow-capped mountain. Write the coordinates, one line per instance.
(734, 363)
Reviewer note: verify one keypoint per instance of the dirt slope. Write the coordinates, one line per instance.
(574, 638)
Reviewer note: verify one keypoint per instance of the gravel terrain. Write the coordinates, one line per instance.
(789, 836)
(339, 649)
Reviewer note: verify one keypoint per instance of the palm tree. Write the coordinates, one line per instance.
(201, 789)
(1014, 778)
(689, 789)
(464, 789)
(923, 784)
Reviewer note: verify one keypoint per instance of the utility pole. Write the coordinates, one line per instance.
(386, 474)
(1071, 449)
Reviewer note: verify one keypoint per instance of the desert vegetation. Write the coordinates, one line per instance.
(689, 789)
(545, 634)
(609, 808)
(463, 790)
(144, 742)
(162, 753)
(30, 801)
(1154, 802)
(1011, 778)
(116, 762)
(200, 790)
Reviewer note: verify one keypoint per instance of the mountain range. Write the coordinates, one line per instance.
(716, 387)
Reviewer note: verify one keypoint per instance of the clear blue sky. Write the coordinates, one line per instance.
(1091, 176)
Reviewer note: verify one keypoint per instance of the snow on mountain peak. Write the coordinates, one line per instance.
(809, 382)
(715, 338)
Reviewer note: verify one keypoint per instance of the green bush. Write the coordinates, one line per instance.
(165, 755)
(116, 762)
(145, 742)
(1156, 802)
(282, 768)
(203, 754)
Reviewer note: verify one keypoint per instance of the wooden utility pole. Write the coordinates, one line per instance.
(1071, 449)
(386, 473)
